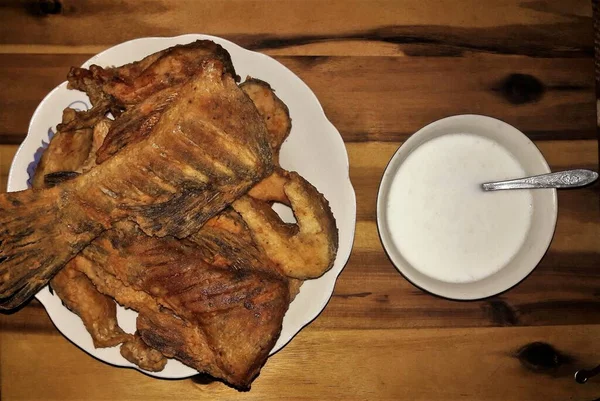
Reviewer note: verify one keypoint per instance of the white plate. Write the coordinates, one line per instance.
(314, 148)
(543, 219)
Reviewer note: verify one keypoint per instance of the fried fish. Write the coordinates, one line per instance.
(128, 85)
(303, 250)
(143, 89)
(232, 316)
(208, 148)
(224, 240)
(76, 138)
(186, 143)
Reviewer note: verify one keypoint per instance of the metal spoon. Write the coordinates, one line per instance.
(561, 179)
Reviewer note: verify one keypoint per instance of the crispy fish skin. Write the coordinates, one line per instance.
(224, 240)
(136, 123)
(238, 312)
(208, 148)
(40, 231)
(304, 250)
(143, 88)
(138, 352)
(131, 83)
(275, 113)
(97, 311)
(68, 151)
(179, 339)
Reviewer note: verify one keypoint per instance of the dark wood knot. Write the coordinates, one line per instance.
(44, 7)
(541, 357)
(522, 88)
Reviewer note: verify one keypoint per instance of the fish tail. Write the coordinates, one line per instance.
(40, 231)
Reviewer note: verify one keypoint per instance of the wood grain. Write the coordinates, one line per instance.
(7, 153)
(381, 70)
(363, 96)
(422, 364)
(537, 27)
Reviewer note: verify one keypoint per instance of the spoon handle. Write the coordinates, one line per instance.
(560, 179)
(583, 375)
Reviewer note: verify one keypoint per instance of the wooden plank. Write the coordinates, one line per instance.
(428, 364)
(7, 153)
(387, 99)
(370, 293)
(24, 82)
(379, 98)
(382, 70)
(536, 27)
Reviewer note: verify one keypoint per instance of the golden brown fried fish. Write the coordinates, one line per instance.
(303, 250)
(68, 151)
(194, 301)
(236, 313)
(224, 240)
(144, 89)
(209, 147)
(271, 108)
(97, 311)
(136, 351)
(131, 83)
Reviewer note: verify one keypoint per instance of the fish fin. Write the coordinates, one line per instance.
(40, 231)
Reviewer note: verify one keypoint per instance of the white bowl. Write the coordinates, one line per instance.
(543, 219)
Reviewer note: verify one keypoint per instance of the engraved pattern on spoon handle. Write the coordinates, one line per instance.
(560, 179)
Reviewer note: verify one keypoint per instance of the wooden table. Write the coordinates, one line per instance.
(382, 70)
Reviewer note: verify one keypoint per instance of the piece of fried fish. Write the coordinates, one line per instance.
(215, 318)
(224, 240)
(139, 92)
(209, 147)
